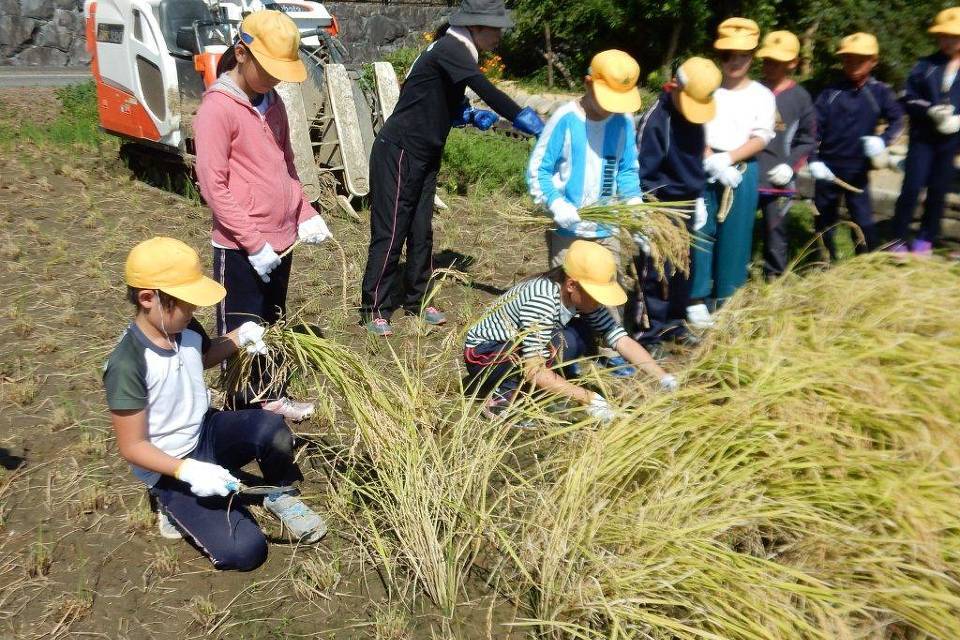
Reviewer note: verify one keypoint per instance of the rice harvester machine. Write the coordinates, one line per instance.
(153, 59)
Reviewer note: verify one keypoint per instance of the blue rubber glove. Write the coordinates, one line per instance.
(483, 119)
(464, 116)
(529, 122)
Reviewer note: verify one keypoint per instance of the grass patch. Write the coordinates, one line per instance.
(76, 123)
(479, 163)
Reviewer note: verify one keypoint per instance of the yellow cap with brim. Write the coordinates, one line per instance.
(947, 23)
(173, 267)
(698, 78)
(780, 45)
(737, 34)
(615, 74)
(594, 268)
(859, 44)
(274, 40)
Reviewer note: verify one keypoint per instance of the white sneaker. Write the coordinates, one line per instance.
(290, 409)
(699, 318)
(167, 529)
(302, 523)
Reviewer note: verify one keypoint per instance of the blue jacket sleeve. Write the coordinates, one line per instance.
(805, 139)
(628, 170)
(543, 162)
(893, 113)
(915, 96)
(651, 143)
(821, 109)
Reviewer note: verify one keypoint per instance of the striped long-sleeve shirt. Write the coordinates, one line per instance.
(531, 311)
(584, 161)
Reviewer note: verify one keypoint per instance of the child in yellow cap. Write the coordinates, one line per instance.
(932, 99)
(848, 115)
(535, 325)
(741, 129)
(795, 128)
(587, 154)
(248, 179)
(183, 451)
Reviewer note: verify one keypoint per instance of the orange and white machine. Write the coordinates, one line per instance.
(153, 59)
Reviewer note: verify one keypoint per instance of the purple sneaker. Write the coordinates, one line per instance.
(921, 247)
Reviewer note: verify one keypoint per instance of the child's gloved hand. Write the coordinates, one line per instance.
(940, 112)
(949, 125)
(264, 261)
(250, 336)
(717, 163)
(206, 479)
(820, 171)
(483, 119)
(873, 146)
(669, 383)
(780, 175)
(313, 231)
(600, 409)
(463, 115)
(699, 214)
(564, 213)
(730, 177)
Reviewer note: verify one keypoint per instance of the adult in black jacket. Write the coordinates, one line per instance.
(407, 151)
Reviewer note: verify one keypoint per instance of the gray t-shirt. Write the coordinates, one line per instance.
(168, 383)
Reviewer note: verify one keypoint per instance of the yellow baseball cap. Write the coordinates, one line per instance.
(859, 44)
(595, 270)
(615, 74)
(947, 22)
(780, 45)
(173, 267)
(274, 40)
(698, 79)
(737, 34)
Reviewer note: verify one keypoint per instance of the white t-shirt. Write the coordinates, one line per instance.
(742, 114)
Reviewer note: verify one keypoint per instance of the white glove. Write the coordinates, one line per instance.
(730, 177)
(699, 214)
(949, 126)
(717, 164)
(940, 112)
(564, 213)
(635, 200)
(313, 230)
(873, 145)
(600, 409)
(780, 175)
(206, 479)
(264, 261)
(250, 335)
(669, 384)
(820, 171)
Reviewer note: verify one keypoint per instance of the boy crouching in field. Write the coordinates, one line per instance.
(160, 410)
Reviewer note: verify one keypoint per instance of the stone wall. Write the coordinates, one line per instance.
(371, 29)
(51, 32)
(42, 32)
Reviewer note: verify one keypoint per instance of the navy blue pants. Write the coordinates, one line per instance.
(402, 188)
(659, 307)
(775, 208)
(929, 166)
(230, 439)
(827, 197)
(250, 298)
(493, 366)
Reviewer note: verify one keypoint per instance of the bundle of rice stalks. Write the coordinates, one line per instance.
(662, 225)
(803, 484)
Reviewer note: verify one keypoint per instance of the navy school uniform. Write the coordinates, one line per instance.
(670, 150)
(929, 163)
(845, 114)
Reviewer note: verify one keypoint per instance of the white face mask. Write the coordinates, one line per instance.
(566, 314)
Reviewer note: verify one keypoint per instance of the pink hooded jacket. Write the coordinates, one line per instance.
(245, 169)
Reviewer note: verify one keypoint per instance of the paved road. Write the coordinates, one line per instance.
(41, 76)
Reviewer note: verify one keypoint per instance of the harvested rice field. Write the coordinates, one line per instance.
(803, 483)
